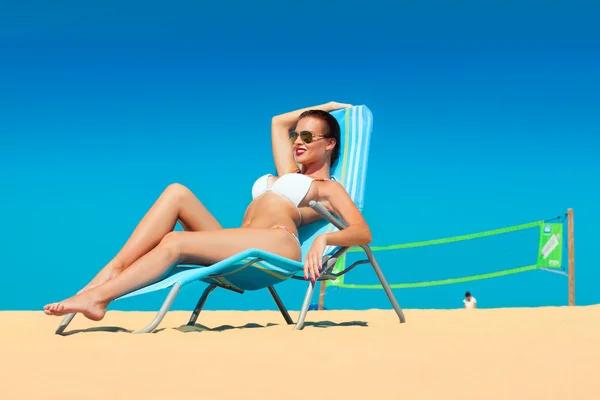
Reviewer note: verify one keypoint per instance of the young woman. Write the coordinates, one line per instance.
(307, 137)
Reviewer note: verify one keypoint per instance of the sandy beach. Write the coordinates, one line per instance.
(537, 353)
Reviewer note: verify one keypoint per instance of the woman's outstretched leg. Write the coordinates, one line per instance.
(176, 247)
(176, 203)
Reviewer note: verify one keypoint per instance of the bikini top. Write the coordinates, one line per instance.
(292, 187)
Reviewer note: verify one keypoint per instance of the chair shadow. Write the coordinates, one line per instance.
(318, 324)
(203, 328)
(331, 324)
(111, 329)
(197, 328)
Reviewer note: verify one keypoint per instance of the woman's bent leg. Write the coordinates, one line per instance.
(176, 203)
(177, 247)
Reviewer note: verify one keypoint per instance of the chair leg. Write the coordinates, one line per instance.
(200, 305)
(386, 287)
(163, 309)
(322, 211)
(64, 323)
(280, 305)
(305, 306)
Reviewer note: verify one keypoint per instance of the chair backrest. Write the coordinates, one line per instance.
(356, 124)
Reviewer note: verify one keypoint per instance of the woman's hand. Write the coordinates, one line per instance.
(314, 258)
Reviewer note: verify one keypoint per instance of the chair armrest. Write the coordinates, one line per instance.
(323, 212)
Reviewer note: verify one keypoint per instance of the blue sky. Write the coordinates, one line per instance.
(484, 117)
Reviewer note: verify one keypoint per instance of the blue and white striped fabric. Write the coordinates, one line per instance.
(356, 124)
(351, 170)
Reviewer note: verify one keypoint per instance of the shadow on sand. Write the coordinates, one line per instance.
(202, 328)
(222, 328)
(112, 329)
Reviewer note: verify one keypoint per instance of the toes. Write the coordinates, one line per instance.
(52, 308)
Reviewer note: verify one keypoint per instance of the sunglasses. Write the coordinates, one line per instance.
(306, 136)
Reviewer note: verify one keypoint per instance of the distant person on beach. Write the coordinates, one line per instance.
(305, 144)
(469, 301)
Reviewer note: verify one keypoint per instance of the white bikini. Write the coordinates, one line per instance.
(293, 187)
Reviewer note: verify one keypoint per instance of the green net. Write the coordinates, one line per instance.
(548, 235)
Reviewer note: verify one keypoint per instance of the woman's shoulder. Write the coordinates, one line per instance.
(331, 187)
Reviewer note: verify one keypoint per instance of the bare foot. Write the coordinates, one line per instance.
(82, 303)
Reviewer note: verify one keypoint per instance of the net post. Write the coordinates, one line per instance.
(571, 251)
(322, 295)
